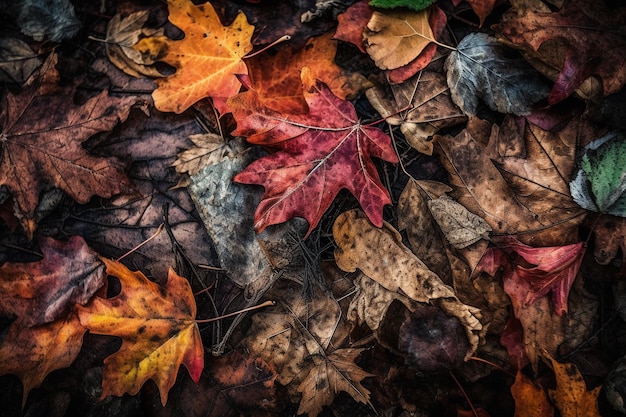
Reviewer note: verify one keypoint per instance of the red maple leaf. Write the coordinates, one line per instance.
(319, 153)
(552, 269)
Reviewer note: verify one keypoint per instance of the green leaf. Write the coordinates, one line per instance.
(416, 5)
(600, 182)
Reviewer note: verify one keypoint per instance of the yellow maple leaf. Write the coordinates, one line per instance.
(206, 59)
(571, 396)
(158, 330)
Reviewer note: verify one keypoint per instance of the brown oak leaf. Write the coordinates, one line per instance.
(42, 132)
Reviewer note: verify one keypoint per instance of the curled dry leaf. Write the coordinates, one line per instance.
(32, 353)
(206, 59)
(122, 34)
(381, 255)
(481, 68)
(395, 38)
(430, 108)
(460, 226)
(158, 330)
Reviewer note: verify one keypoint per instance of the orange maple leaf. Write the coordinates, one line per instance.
(158, 330)
(571, 396)
(32, 353)
(206, 59)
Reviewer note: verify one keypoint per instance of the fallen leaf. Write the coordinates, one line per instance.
(571, 396)
(276, 78)
(32, 353)
(572, 44)
(353, 22)
(44, 291)
(530, 399)
(461, 227)
(17, 61)
(609, 236)
(124, 33)
(432, 341)
(42, 131)
(301, 179)
(482, 8)
(55, 20)
(437, 20)
(481, 68)
(431, 108)
(381, 255)
(158, 330)
(395, 38)
(209, 149)
(600, 182)
(206, 59)
(552, 270)
(416, 5)
(330, 375)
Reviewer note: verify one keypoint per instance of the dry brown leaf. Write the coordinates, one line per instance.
(431, 108)
(122, 34)
(530, 399)
(460, 226)
(330, 375)
(381, 255)
(209, 149)
(571, 396)
(395, 38)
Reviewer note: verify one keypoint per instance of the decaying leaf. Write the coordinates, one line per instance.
(209, 149)
(55, 19)
(461, 227)
(571, 396)
(124, 33)
(41, 292)
(352, 23)
(330, 375)
(32, 353)
(482, 8)
(206, 59)
(42, 132)
(319, 154)
(158, 330)
(531, 400)
(481, 68)
(431, 108)
(381, 255)
(394, 39)
(17, 60)
(609, 240)
(567, 46)
(600, 182)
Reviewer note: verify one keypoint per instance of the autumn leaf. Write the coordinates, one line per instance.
(352, 23)
(330, 375)
(482, 8)
(276, 78)
(42, 132)
(41, 292)
(206, 59)
(122, 35)
(577, 49)
(158, 330)
(481, 67)
(571, 396)
(209, 149)
(427, 96)
(609, 236)
(380, 254)
(319, 154)
(395, 38)
(530, 399)
(461, 227)
(17, 60)
(32, 353)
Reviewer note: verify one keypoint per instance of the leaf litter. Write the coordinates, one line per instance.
(442, 247)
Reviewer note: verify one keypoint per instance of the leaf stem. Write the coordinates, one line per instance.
(245, 310)
(158, 231)
(276, 42)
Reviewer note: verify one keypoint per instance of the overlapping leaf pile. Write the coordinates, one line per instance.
(375, 262)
